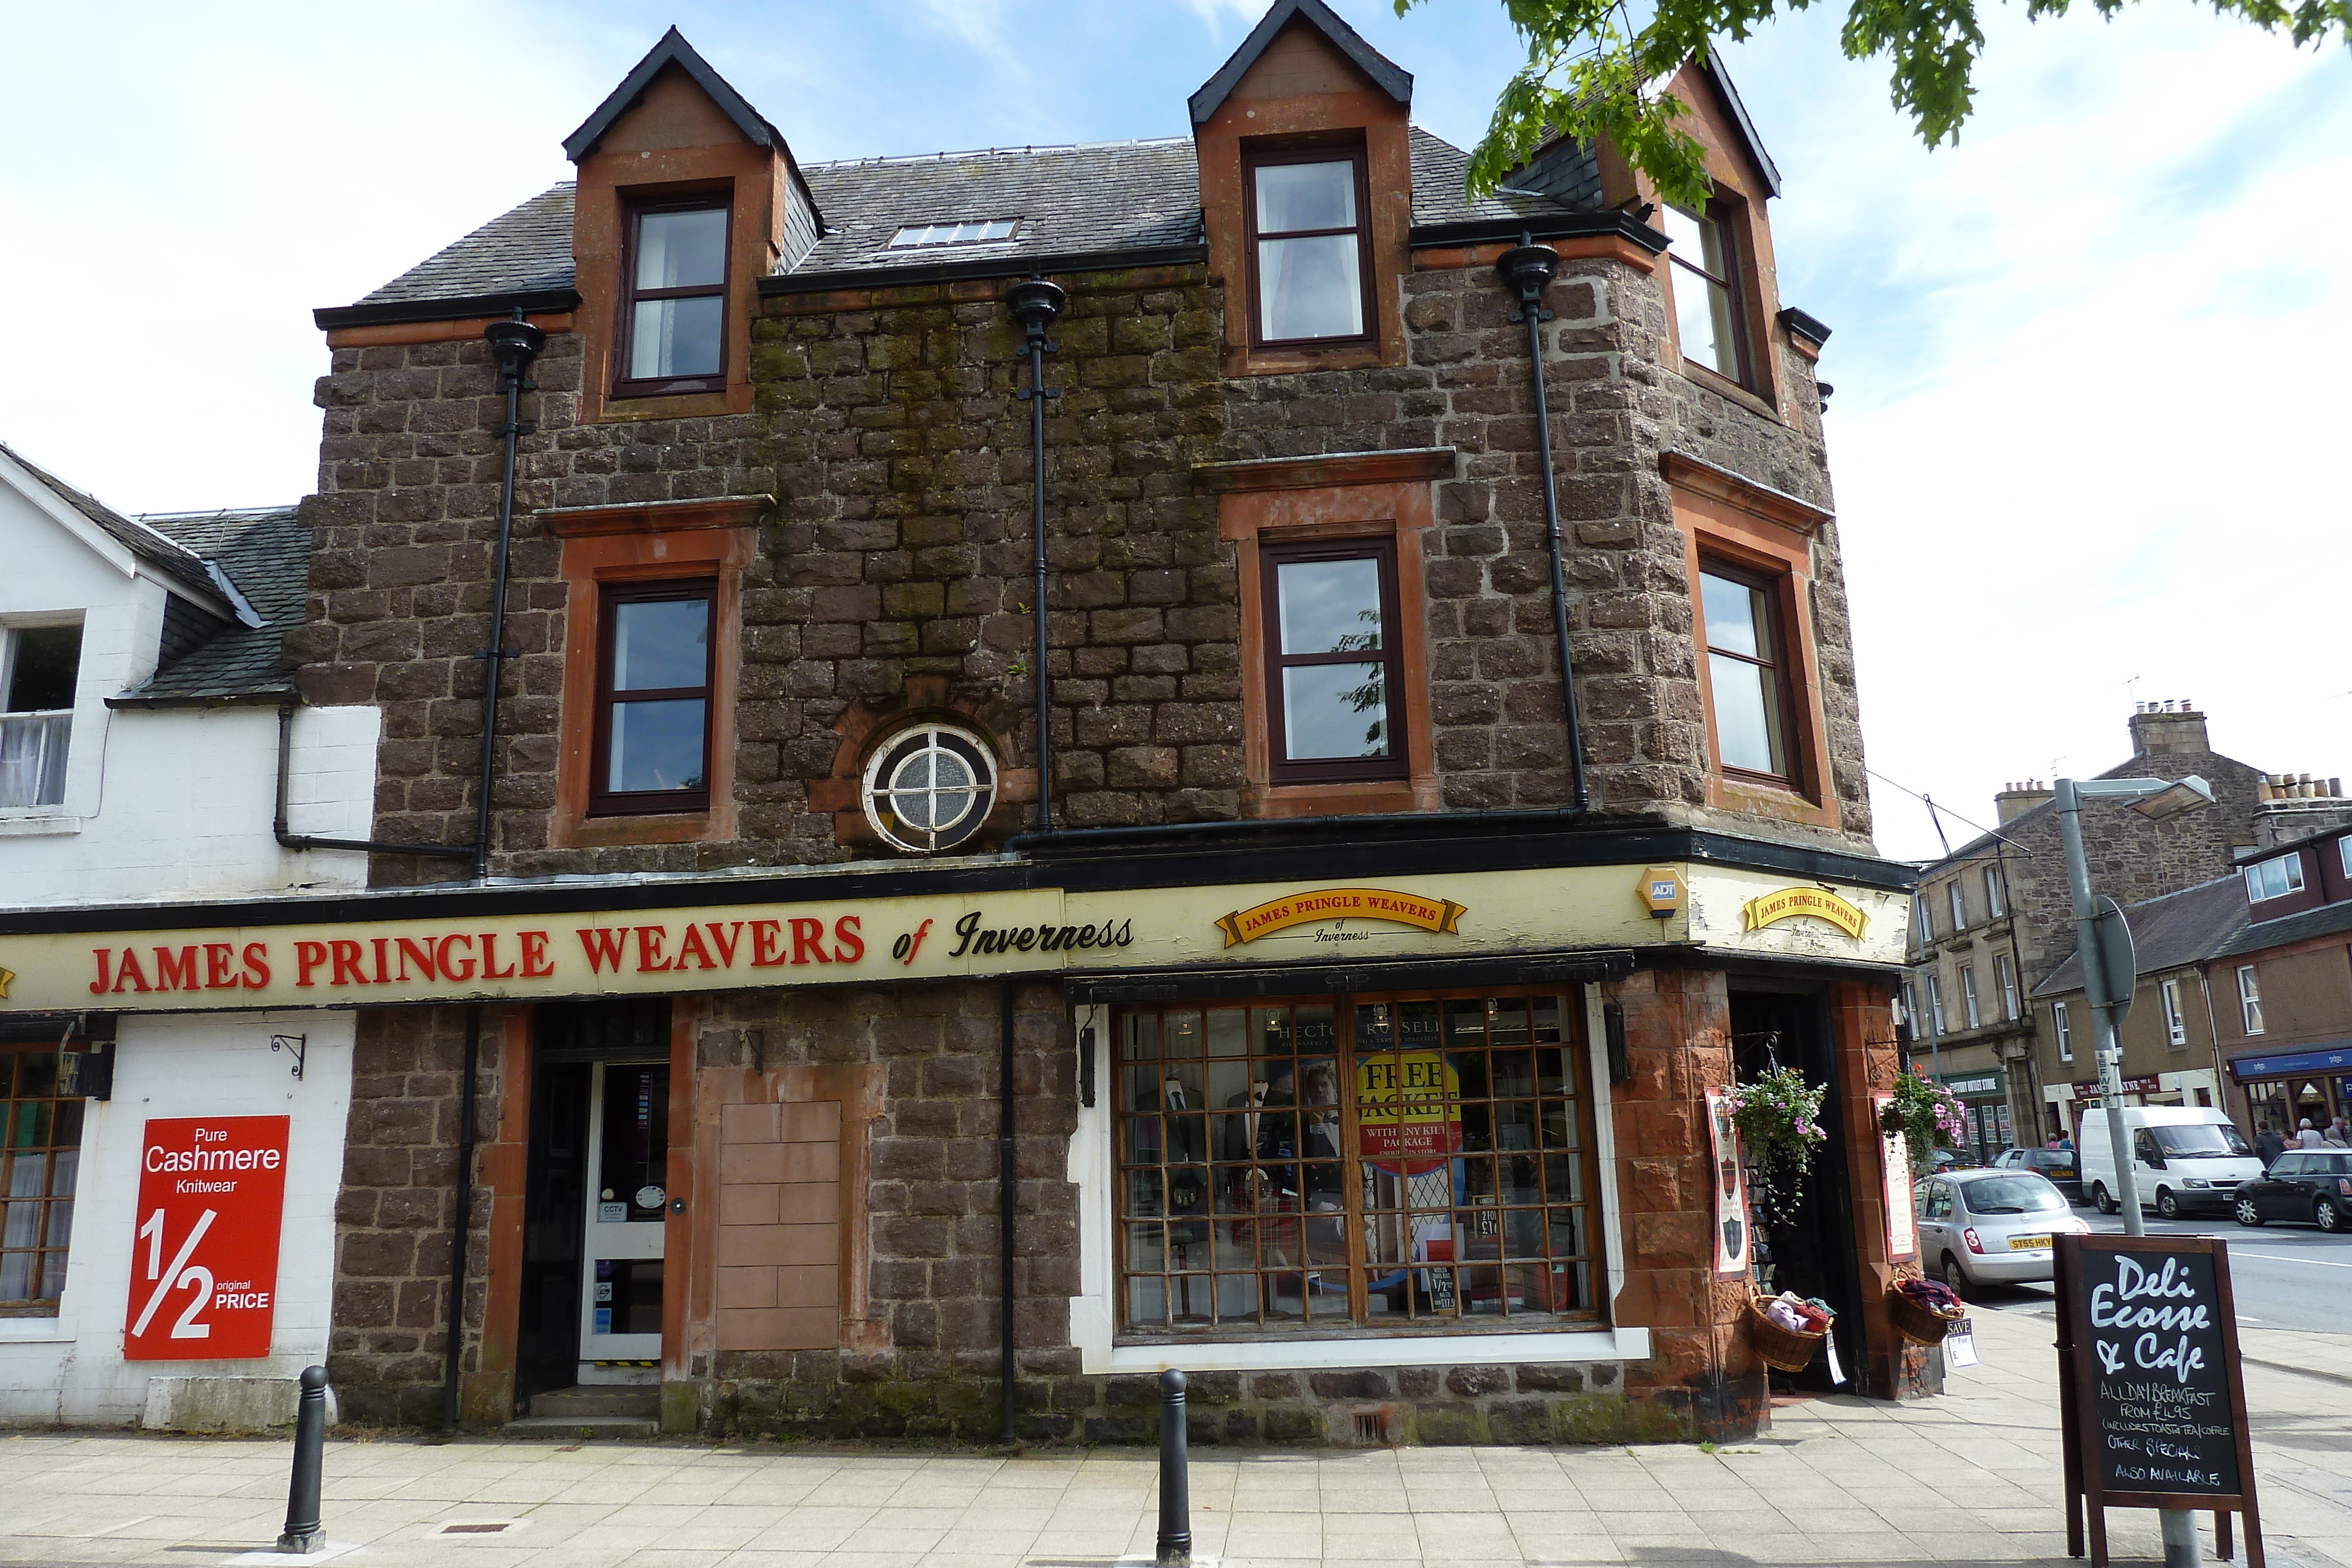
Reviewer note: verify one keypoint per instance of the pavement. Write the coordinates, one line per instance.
(1971, 1477)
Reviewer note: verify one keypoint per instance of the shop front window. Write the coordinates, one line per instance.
(40, 1156)
(1355, 1161)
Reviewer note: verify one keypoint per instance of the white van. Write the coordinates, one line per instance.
(2184, 1158)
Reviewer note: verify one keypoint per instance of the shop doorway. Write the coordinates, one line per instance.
(1812, 1252)
(596, 1197)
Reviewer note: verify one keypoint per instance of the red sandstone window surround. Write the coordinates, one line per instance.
(1309, 240)
(1334, 664)
(673, 327)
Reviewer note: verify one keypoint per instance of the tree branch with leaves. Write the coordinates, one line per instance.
(1595, 73)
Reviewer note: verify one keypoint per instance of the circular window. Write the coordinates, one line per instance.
(929, 788)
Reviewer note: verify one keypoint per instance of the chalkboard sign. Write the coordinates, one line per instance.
(2150, 1390)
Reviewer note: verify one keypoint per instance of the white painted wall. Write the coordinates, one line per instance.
(69, 1368)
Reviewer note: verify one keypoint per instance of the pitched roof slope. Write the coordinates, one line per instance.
(175, 562)
(268, 555)
(2325, 921)
(2170, 931)
(527, 250)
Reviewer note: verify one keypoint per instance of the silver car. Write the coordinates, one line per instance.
(1990, 1227)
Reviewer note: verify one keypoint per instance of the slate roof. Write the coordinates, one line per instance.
(2325, 921)
(1090, 199)
(171, 560)
(526, 251)
(268, 555)
(2171, 931)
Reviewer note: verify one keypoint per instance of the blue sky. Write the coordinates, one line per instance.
(2089, 361)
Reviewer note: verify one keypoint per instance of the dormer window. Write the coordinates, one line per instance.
(1311, 247)
(1703, 279)
(953, 234)
(675, 310)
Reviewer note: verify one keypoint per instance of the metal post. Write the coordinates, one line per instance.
(2098, 985)
(304, 1533)
(1175, 1549)
(2178, 1528)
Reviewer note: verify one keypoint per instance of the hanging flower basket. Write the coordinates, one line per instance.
(1779, 1120)
(1928, 1115)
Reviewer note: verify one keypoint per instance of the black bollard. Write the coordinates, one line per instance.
(1175, 1479)
(304, 1533)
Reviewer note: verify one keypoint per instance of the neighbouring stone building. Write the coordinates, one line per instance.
(1993, 921)
(1432, 807)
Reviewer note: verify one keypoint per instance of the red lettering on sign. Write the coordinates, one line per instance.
(727, 942)
(175, 969)
(307, 956)
(605, 949)
(347, 960)
(383, 962)
(808, 941)
(450, 970)
(256, 965)
(650, 940)
(203, 1260)
(218, 976)
(691, 947)
(105, 957)
(422, 953)
(767, 951)
(536, 964)
(849, 946)
(128, 972)
(490, 970)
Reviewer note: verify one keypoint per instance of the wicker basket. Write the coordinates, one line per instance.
(1790, 1350)
(1919, 1325)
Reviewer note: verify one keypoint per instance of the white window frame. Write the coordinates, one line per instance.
(2249, 998)
(1936, 1005)
(1959, 905)
(1925, 917)
(8, 633)
(2344, 853)
(1968, 996)
(2006, 973)
(2260, 884)
(1995, 908)
(2176, 1026)
(2066, 1031)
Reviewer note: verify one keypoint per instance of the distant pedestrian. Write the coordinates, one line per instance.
(2066, 1142)
(2270, 1144)
(2308, 1136)
(2337, 1137)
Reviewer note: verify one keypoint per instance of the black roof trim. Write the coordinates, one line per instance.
(1388, 76)
(253, 697)
(1451, 842)
(995, 266)
(1805, 325)
(1770, 170)
(1541, 225)
(1223, 982)
(672, 51)
(483, 307)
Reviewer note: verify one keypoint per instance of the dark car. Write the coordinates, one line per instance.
(2312, 1187)
(2055, 1165)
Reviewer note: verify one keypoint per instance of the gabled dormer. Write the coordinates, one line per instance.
(1306, 190)
(687, 197)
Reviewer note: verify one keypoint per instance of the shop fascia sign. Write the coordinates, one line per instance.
(1989, 1084)
(691, 947)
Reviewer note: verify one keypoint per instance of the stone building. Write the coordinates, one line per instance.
(2282, 986)
(1255, 860)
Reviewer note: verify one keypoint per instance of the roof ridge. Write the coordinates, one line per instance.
(1024, 150)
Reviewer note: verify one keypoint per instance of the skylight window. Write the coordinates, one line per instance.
(953, 234)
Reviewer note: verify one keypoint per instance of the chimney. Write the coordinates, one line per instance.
(2016, 800)
(2169, 729)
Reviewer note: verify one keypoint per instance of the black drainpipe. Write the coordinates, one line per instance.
(515, 343)
(1006, 1176)
(1034, 304)
(309, 841)
(1529, 268)
(453, 1354)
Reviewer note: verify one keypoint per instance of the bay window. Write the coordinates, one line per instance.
(1336, 1162)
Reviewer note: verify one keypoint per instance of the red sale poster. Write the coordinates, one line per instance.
(203, 1270)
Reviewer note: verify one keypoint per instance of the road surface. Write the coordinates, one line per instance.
(2283, 1276)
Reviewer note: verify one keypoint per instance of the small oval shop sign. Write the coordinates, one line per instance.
(1790, 902)
(1438, 914)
